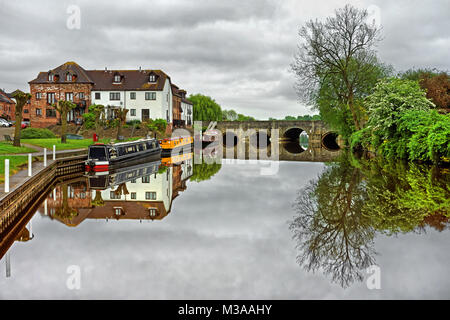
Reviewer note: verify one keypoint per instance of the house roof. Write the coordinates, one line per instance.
(4, 97)
(131, 80)
(103, 80)
(67, 68)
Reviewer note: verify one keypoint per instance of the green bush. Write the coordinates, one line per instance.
(36, 133)
(89, 120)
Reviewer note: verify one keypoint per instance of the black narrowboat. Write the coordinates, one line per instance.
(102, 157)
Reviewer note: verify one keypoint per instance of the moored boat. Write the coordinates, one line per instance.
(175, 145)
(101, 157)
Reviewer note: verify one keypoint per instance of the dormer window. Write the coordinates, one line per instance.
(69, 77)
(51, 77)
(152, 78)
(117, 78)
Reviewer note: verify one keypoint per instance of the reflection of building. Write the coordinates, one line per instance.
(140, 192)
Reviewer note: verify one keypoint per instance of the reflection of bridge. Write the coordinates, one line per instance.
(318, 132)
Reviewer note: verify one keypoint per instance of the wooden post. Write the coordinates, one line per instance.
(30, 165)
(6, 175)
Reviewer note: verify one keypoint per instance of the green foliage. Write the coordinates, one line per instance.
(157, 125)
(205, 108)
(403, 125)
(134, 123)
(418, 74)
(89, 120)
(36, 133)
(204, 171)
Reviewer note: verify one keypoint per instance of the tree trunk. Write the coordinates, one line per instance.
(18, 127)
(119, 129)
(351, 106)
(63, 126)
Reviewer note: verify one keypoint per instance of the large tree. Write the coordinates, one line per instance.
(205, 108)
(64, 107)
(337, 54)
(21, 99)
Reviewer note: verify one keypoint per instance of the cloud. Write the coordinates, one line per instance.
(237, 52)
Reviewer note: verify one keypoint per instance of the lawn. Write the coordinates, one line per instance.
(71, 144)
(8, 148)
(15, 162)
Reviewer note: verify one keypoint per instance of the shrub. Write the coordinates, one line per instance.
(89, 120)
(36, 133)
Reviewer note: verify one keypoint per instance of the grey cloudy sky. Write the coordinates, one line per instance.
(238, 52)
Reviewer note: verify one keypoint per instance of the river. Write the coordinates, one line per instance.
(347, 229)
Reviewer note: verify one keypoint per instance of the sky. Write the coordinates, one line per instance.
(237, 52)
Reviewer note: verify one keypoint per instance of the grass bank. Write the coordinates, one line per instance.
(71, 144)
(8, 148)
(15, 164)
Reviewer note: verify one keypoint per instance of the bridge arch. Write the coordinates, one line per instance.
(293, 133)
(230, 139)
(259, 139)
(329, 141)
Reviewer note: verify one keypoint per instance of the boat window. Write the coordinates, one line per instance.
(98, 153)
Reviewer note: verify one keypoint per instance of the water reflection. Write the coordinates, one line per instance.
(144, 191)
(340, 213)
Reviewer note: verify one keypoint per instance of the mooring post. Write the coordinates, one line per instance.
(54, 152)
(45, 157)
(6, 175)
(30, 165)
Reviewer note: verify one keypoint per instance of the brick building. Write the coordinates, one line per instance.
(7, 106)
(145, 93)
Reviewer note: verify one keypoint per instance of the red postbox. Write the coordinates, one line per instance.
(95, 137)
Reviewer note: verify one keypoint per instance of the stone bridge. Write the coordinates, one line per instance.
(319, 134)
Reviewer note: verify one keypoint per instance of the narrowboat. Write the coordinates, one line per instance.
(102, 157)
(176, 145)
(101, 181)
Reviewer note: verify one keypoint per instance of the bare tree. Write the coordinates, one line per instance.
(21, 99)
(341, 49)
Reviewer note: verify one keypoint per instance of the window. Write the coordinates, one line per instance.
(150, 96)
(118, 211)
(69, 96)
(133, 195)
(114, 96)
(51, 77)
(114, 196)
(146, 179)
(133, 95)
(133, 181)
(38, 112)
(97, 96)
(117, 78)
(167, 116)
(50, 113)
(152, 212)
(152, 78)
(38, 95)
(132, 112)
(51, 98)
(25, 111)
(150, 195)
(68, 77)
(81, 95)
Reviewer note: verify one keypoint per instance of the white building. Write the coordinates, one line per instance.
(146, 94)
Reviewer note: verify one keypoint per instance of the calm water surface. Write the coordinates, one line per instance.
(228, 232)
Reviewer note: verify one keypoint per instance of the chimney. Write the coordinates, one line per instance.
(106, 69)
(140, 69)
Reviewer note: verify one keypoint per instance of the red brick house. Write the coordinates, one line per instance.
(7, 106)
(66, 82)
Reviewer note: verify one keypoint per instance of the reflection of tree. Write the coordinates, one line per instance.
(204, 171)
(339, 214)
(98, 200)
(65, 211)
(331, 232)
(401, 197)
(121, 190)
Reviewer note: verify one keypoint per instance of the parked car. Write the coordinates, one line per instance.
(25, 124)
(5, 123)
